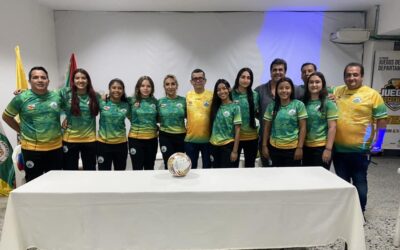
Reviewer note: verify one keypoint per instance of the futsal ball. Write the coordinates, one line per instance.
(179, 164)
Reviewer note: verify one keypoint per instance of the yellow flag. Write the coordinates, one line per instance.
(22, 83)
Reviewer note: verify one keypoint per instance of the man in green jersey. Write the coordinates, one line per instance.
(39, 112)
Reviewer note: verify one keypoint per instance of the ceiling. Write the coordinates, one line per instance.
(212, 5)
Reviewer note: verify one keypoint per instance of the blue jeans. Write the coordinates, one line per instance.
(353, 167)
(193, 149)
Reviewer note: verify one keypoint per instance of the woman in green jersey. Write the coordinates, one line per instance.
(111, 141)
(171, 115)
(284, 127)
(225, 124)
(81, 108)
(321, 122)
(142, 136)
(247, 99)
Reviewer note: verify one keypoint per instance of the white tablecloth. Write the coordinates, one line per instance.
(208, 209)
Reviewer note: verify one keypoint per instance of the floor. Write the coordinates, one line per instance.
(382, 208)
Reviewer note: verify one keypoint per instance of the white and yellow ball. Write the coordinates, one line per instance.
(179, 164)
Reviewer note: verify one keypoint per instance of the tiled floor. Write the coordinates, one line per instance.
(382, 208)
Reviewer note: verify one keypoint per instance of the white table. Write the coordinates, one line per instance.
(208, 209)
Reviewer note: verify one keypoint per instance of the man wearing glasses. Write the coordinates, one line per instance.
(198, 103)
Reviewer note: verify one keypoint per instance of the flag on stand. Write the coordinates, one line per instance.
(22, 83)
(7, 173)
(71, 68)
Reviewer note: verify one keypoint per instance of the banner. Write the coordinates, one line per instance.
(386, 80)
(7, 172)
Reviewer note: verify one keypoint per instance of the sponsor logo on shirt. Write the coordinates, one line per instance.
(31, 106)
(106, 108)
(163, 105)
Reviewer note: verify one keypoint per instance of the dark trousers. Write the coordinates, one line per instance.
(193, 149)
(40, 162)
(353, 167)
(87, 151)
(170, 144)
(312, 156)
(221, 156)
(283, 157)
(250, 153)
(112, 154)
(143, 153)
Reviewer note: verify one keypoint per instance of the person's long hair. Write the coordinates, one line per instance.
(277, 103)
(93, 102)
(216, 101)
(322, 94)
(250, 97)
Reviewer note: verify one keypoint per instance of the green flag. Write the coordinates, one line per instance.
(7, 173)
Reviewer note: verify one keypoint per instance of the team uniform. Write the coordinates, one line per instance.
(248, 135)
(143, 133)
(285, 132)
(112, 142)
(354, 133)
(80, 135)
(172, 114)
(317, 131)
(41, 138)
(223, 135)
(198, 127)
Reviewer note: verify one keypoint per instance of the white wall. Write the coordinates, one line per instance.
(31, 26)
(131, 44)
(389, 18)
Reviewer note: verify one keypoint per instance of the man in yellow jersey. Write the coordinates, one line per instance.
(359, 108)
(198, 103)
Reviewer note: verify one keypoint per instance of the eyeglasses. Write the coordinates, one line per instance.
(195, 79)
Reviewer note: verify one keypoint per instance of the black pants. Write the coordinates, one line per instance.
(87, 151)
(143, 153)
(283, 157)
(170, 144)
(312, 156)
(115, 154)
(221, 156)
(39, 162)
(250, 153)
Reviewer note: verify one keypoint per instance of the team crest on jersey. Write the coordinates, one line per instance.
(100, 159)
(292, 112)
(163, 105)
(190, 103)
(31, 106)
(226, 113)
(137, 104)
(106, 108)
(206, 104)
(53, 105)
(179, 105)
(357, 100)
(153, 106)
(4, 151)
(29, 164)
(123, 110)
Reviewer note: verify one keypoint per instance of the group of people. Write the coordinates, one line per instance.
(285, 125)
